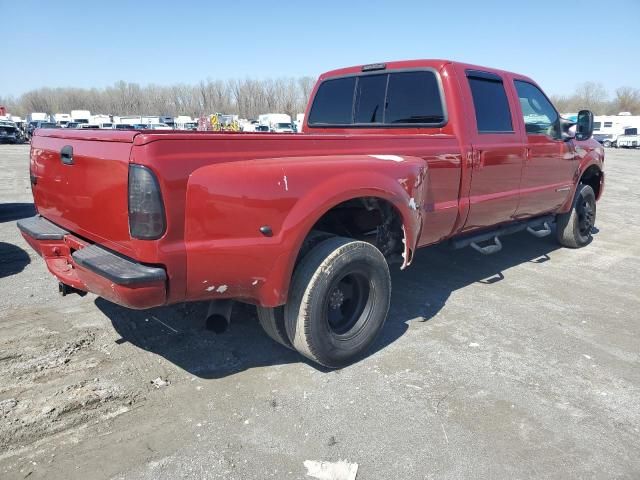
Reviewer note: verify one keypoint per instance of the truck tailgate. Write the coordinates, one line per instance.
(79, 181)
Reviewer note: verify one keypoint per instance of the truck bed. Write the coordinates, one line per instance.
(274, 171)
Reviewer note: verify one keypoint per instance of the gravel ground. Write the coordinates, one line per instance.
(524, 364)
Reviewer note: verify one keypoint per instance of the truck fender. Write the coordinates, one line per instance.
(590, 155)
(289, 196)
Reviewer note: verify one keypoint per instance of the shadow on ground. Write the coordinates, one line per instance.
(178, 333)
(15, 211)
(13, 259)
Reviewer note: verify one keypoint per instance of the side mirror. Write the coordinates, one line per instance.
(584, 125)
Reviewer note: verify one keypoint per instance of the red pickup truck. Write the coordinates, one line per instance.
(392, 157)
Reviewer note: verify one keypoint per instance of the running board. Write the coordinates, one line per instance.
(532, 226)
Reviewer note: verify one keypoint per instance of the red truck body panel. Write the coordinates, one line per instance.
(218, 189)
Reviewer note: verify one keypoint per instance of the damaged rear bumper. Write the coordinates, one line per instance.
(92, 268)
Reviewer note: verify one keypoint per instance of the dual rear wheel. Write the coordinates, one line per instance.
(338, 302)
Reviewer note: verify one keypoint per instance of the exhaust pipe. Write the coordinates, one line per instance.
(219, 315)
(65, 290)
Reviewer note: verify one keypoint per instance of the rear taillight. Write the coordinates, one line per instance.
(146, 211)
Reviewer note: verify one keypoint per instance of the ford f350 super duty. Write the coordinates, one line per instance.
(392, 157)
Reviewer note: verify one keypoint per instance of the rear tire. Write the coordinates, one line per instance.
(338, 302)
(272, 321)
(574, 227)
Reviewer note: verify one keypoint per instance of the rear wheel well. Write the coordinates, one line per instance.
(370, 219)
(592, 176)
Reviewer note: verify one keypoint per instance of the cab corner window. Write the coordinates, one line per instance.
(493, 114)
(540, 117)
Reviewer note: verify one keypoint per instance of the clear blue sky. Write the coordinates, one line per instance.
(93, 44)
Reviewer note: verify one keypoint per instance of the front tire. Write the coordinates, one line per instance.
(574, 227)
(338, 302)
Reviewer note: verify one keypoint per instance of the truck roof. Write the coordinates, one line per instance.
(418, 63)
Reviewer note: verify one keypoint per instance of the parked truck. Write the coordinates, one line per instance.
(393, 157)
(273, 120)
(62, 119)
(629, 139)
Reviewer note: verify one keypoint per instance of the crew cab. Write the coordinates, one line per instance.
(393, 157)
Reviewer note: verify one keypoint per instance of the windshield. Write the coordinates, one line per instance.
(284, 125)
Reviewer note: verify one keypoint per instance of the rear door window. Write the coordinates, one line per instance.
(493, 114)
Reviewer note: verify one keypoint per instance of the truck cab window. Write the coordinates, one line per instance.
(378, 100)
(333, 104)
(370, 92)
(540, 117)
(414, 97)
(490, 102)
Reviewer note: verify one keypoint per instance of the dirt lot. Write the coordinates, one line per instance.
(525, 364)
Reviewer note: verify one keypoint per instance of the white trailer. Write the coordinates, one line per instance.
(149, 120)
(103, 121)
(607, 128)
(37, 117)
(81, 116)
(127, 120)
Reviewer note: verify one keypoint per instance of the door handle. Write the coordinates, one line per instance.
(527, 154)
(66, 155)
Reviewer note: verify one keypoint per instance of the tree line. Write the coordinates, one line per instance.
(247, 98)
(250, 97)
(593, 96)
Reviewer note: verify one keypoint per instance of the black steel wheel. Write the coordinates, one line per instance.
(575, 228)
(338, 301)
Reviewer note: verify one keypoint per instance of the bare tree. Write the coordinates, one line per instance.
(627, 99)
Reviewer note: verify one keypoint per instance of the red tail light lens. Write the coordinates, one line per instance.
(146, 211)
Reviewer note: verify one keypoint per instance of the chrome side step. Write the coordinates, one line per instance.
(538, 227)
(488, 249)
(543, 232)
